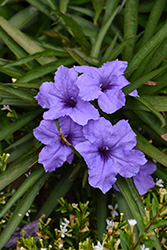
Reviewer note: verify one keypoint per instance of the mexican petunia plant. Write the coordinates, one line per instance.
(107, 149)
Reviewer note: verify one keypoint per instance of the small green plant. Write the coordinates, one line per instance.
(75, 232)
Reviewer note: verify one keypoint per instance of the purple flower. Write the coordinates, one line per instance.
(57, 149)
(62, 98)
(109, 150)
(104, 84)
(142, 180)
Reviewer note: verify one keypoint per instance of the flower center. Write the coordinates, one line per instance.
(105, 86)
(104, 151)
(71, 102)
(64, 138)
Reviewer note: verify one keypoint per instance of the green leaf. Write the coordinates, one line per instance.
(154, 208)
(149, 90)
(153, 21)
(9, 72)
(20, 141)
(78, 59)
(19, 167)
(98, 7)
(58, 191)
(101, 213)
(153, 110)
(15, 48)
(139, 72)
(133, 206)
(24, 41)
(63, 4)
(135, 85)
(23, 17)
(152, 121)
(110, 6)
(18, 93)
(130, 27)
(114, 54)
(147, 48)
(75, 28)
(23, 120)
(20, 210)
(150, 150)
(29, 58)
(33, 178)
(109, 49)
(96, 47)
(125, 244)
(41, 6)
(45, 69)
(158, 57)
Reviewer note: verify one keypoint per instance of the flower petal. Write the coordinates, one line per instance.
(111, 100)
(53, 156)
(46, 132)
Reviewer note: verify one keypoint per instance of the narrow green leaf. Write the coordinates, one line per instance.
(139, 72)
(33, 178)
(98, 7)
(130, 27)
(18, 93)
(39, 5)
(96, 47)
(63, 4)
(9, 72)
(75, 28)
(23, 17)
(136, 196)
(152, 121)
(19, 167)
(30, 85)
(153, 110)
(45, 69)
(110, 6)
(153, 21)
(150, 150)
(29, 58)
(20, 211)
(3, 2)
(135, 85)
(154, 209)
(110, 49)
(15, 48)
(101, 213)
(82, 10)
(86, 58)
(114, 54)
(145, 50)
(20, 141)
(24, 41)
(23, 120)
(149, 90)
(52, 4)
(158, 57)
(76, 57)
(58, 191)
(124, 189)
(125, 244)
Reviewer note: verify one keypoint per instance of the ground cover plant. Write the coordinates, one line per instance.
(83, 124)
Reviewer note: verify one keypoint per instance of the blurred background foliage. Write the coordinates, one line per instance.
(36, 37)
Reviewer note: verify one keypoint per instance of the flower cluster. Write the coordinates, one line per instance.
(76, 97)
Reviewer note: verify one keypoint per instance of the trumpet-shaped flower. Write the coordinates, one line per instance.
(104, 84)
(142, 180)
(108, 151)
(62, 98)
(57, 149)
